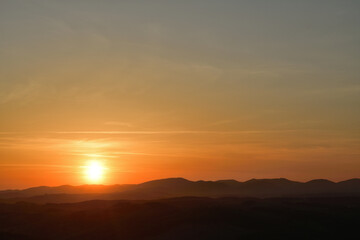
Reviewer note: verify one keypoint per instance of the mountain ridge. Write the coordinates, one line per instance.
(180, 187)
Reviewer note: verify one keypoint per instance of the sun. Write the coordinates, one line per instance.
(94, 172)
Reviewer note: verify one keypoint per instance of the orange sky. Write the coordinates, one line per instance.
(202, 90)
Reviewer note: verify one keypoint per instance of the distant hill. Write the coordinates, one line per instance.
(179, 187)
(64, 189)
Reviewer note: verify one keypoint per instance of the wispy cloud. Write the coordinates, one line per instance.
(38, 165)
(176, 132)
(19, 91)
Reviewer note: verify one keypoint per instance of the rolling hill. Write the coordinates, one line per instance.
(179, 187)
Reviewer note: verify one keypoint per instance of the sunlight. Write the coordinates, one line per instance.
(94, 172)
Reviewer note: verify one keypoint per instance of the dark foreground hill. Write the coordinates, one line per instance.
(179, 187)
(184, 218)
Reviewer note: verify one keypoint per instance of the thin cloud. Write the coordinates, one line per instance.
(169, 132)
(37, 166)
(175, 132)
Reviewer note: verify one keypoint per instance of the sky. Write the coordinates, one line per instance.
(195, 89)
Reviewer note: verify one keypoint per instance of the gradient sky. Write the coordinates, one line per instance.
(197, 89)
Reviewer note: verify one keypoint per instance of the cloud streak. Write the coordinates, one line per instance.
(174, 132)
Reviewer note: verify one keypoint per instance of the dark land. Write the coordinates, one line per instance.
(181, 209)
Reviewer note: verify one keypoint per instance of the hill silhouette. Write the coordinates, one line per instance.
(179, 187)
(176, 208)
(192, 218)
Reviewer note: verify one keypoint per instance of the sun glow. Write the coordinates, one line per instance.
(94, 172)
